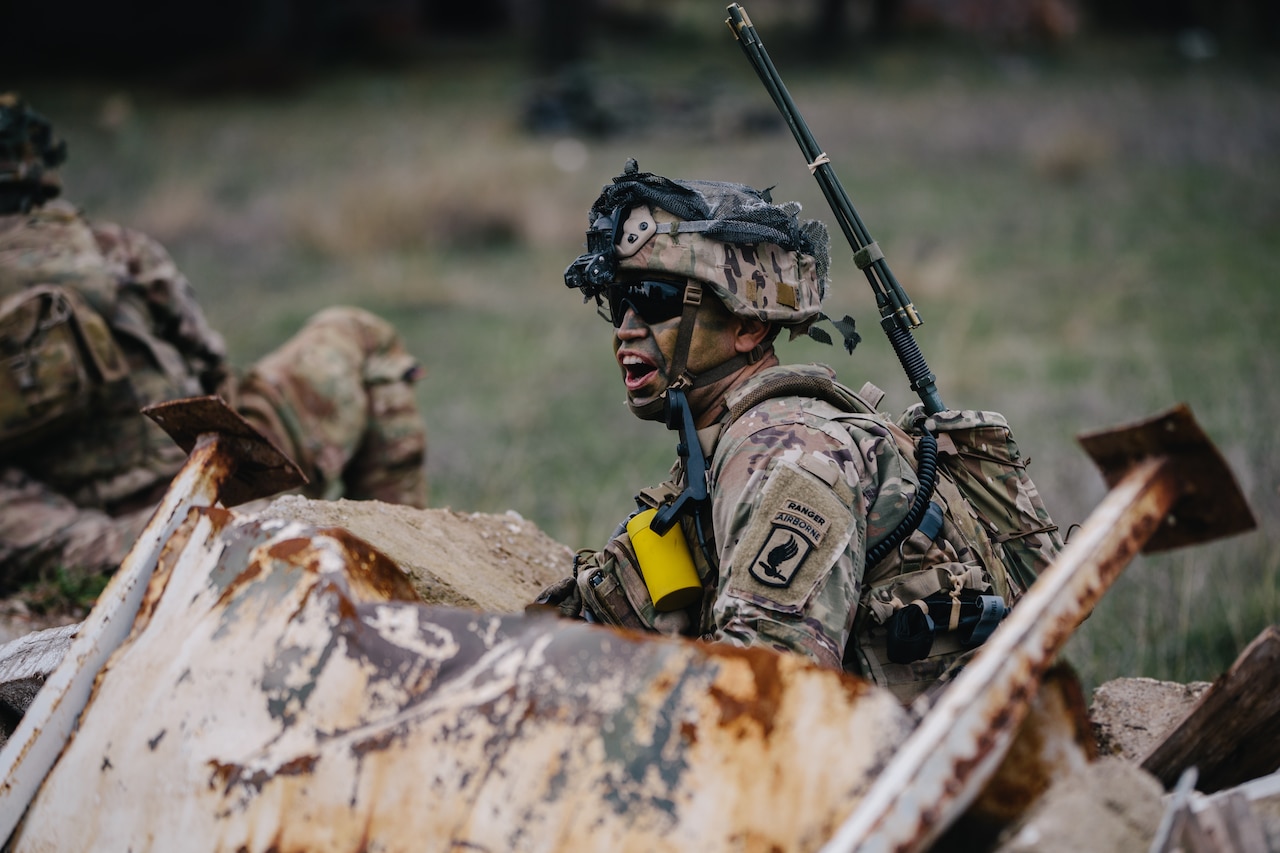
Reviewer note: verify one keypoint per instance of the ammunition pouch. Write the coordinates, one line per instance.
(562, 597)
(909, 632)
(612, 587)
(916, 626)
(56, 356)
(614, 592)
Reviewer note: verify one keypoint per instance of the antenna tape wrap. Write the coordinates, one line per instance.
(867, 255)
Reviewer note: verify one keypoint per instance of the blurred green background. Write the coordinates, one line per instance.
(1089, 222)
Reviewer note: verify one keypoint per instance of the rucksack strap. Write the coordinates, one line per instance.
(791, 384)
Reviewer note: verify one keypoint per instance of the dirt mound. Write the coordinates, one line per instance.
(1130, 715)
(497, 563)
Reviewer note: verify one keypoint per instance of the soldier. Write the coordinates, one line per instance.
(96, 322)
(803, 479)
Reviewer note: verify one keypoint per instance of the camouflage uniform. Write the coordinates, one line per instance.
(337, 397)
(799, 489)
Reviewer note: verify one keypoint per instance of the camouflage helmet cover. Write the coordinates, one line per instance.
(758, 257)
(28, 155)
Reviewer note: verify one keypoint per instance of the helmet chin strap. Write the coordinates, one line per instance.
(658, 408)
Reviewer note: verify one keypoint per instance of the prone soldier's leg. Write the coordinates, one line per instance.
(339, 398)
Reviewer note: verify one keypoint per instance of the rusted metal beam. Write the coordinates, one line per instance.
(964, 736)
(1054, 741)
(226, 447)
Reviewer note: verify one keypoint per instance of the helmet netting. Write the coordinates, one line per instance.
(734, 213)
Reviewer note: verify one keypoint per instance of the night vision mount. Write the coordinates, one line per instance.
(594, 270)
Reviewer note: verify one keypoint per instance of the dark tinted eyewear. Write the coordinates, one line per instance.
(653, 301)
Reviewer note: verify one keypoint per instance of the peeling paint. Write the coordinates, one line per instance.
(363, 723)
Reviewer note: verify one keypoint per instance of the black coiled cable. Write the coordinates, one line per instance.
(927, 471)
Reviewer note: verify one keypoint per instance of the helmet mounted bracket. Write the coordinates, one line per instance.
(595, 269)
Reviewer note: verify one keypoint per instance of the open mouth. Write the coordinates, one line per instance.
(637, 371)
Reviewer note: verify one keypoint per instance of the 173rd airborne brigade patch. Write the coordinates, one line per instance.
(798, 528)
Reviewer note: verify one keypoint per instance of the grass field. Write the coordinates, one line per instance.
(1092, 236)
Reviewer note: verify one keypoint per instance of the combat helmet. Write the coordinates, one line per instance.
(758, 257)
(29, 154)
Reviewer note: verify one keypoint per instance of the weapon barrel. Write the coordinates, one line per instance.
(898, 315)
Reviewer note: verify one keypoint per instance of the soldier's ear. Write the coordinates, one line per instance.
(750, 333)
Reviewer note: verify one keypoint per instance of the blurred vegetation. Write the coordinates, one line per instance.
(1091, 231)
(64, 592)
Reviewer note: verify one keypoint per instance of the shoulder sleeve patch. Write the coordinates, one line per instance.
(797, 529)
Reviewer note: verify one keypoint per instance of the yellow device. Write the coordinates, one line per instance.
(665, 563)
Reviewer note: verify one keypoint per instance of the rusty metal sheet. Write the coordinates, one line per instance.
(49, 721)
(224, 446)
(1210, 506)
(262, 469)
(278, 695)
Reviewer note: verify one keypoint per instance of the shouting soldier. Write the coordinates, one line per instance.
(791, 520)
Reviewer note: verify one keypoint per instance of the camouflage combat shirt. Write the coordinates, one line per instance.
(799, 490)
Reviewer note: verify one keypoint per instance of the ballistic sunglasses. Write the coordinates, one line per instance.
(653, 300)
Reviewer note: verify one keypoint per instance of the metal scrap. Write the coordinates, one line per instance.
(279, 700)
